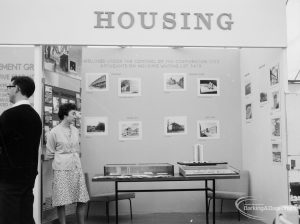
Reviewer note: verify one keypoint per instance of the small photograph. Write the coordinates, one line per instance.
(48, 94)
(56, 58)
(208, 87)
(97, 82)
(64, 100)
(73, 66)
(174, 82)
(55, 123)
(130, 130)
(176, 125)
(48, 115)
(129, 87)
(55, 104)
(276, 147)
(248, 89)
(274, 75)
(276, 157)
(275, 126)
(275, 100)
(208, 129)
(95, 126)
(263, 97)
(248, 111)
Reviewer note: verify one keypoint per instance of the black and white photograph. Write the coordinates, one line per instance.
(276, 156)
(56, 58)
(208, 87)
(208, 129)
(275, 127)
(55, 123)
(174, 82)
(128, 87)
(55, 104)
(151, 107)
(247, 88)
(48, 115)
(130, 130)
(64, 100)
(95, 126)
(175, 125)
(96, 82)
(48, 94)
(263, 97)
(275, 103)
(249, 113)
(274, 75)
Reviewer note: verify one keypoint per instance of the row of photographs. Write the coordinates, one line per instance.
(130, 86)
(132, 130)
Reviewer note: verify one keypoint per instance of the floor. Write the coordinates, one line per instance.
(167, 218)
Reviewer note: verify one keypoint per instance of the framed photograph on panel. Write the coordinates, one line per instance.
(208, 87)
(249, 112)
(129, 87)
(55, 104)
(175, 125)
(248, 88)
(263, 97)
(276, 152)
(48, 94)
(275, 102)
(95, 126)
(174, 82)
(130, 130)
(208, 129)
(275, 127)
(274, 75)
(96, 82)
(48, 115)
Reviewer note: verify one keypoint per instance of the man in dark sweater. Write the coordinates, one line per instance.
(20, 133)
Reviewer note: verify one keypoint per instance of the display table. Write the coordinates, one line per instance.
(176, 177)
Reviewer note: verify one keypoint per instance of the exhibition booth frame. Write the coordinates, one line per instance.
(216, 69)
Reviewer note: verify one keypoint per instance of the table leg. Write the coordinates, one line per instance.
(206, 203)
(214, 200)
(116, 196)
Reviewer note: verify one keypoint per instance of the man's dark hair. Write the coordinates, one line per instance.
(25, 83)
(64, 109)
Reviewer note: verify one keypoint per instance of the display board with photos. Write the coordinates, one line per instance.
(53, 98)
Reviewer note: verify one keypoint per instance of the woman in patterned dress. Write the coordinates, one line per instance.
(68, 179)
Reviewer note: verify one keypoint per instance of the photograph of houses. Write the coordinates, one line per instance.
(174, 82)
(274, 75)
(129, 87)
(208, 87)
(130, 130)
(208, 129)
(176, 125)
(95, 126)
(275, 122)
(97, 82)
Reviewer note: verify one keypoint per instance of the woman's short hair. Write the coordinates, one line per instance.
(64, 109)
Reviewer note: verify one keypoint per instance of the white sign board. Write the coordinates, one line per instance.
(233, 23)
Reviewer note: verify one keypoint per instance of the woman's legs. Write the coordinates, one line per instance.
(61, 213)
(80, 212)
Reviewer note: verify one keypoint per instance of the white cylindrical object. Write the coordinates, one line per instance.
(198, 153)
